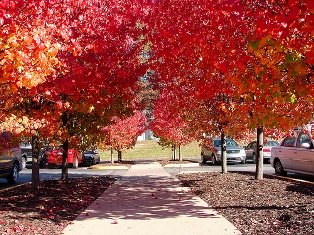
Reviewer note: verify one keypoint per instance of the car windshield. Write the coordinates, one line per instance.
(89, 152)
(229, 142)
(271, 143)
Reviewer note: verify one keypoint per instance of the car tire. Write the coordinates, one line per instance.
(23, 162)
(214, 160)
(243, 161)
(43, 162)
(94, 161)
(279, 168)
(75, 163)
(14, 174)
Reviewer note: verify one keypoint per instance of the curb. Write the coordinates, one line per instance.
(280, 177)
(109, 168)
(290, 179)
(193, 172)
(13, 187)
(182, 165)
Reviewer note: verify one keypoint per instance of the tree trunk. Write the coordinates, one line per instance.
(119, 156)
(259, 154)
(180, 156)
(65, 171)
(173, 152)
(35, 162)
(111, 155)
(223, 153)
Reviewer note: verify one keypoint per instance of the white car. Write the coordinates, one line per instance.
(294, 154)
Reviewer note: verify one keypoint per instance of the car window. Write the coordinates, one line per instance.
(230, 142)
(304, 138)
(288, 141)
(271, 143)
(217, 143)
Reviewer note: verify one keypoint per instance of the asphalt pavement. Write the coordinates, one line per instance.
(172, 169)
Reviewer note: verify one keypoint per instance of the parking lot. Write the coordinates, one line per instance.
(173, 169)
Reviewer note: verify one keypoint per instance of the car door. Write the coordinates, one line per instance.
(303, 157)
(286, 152)
(5, 162)
(249, 150)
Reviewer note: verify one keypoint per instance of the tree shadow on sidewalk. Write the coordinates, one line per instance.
(148, 197)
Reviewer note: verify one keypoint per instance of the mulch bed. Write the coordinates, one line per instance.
(51, 208)
(268, 206)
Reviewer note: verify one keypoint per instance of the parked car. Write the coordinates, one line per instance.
(235, 153)
(54, 157)
(251, 150)
(91, 157)
(10, 162)
(27, 156)
(294, 154)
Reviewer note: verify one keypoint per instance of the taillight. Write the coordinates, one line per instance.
(266, 150)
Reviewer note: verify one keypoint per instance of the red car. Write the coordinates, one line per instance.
(54, 157)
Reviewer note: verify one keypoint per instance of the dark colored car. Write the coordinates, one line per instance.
(251, 150)
(10, 162)
(91, 157)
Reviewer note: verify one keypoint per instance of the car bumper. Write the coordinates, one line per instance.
(88, 161)
(266, 156)
(233, 158)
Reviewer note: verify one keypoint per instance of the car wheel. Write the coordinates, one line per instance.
(14, 174)
(94, 161)
(44, 162)
(23, 162)
(214, 160)
(75, 163)
(243, 161)
(279, 168)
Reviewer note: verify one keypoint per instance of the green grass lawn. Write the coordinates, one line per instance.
(151, 150)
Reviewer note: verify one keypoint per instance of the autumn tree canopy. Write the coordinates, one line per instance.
(212, 64)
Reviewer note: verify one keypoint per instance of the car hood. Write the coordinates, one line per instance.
(230, 148)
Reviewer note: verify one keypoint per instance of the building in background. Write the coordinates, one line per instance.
(147, 135)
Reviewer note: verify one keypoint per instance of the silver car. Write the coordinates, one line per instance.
(235, 153)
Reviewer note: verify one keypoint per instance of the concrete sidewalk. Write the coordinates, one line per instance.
(149, 201)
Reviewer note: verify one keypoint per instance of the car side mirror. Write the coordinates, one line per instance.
(305, 145)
